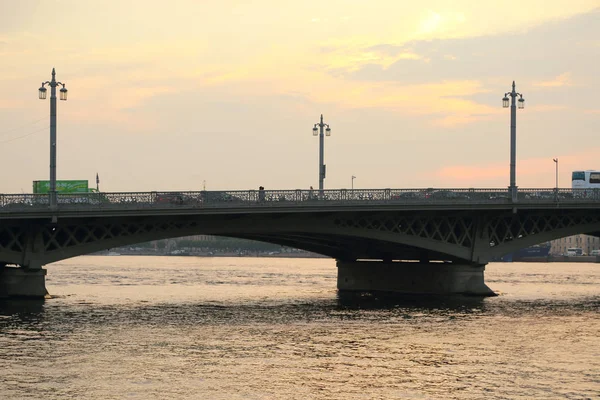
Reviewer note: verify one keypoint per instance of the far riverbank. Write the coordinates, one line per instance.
(184, 253)
(562, 259)
(305, 254)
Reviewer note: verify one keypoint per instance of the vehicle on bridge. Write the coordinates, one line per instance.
(193, 198)
(436, 194)
(63, 186)
(586, 183)
(217, 197)
(71, 192)
(588, 179)
(170, 198)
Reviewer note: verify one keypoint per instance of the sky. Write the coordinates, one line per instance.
(223, 95)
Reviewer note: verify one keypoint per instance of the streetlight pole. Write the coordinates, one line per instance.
(513, 136)
(63, 96)
(320, 127)
(353, 178)
(556, 162)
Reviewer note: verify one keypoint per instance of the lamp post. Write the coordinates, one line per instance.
(513, 136)
(556, 162)
(353, 178)
(319, 132)
(63, 96)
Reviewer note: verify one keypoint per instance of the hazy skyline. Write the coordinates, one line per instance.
(164, 96)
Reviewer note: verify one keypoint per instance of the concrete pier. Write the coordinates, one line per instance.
(22, 282)
(412, 278)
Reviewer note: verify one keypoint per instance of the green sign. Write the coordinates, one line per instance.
(41, 187)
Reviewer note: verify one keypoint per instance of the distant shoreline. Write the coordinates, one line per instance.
(549, 259)
(563, 259)
(252, 255)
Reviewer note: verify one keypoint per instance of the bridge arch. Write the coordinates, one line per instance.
(462, 235)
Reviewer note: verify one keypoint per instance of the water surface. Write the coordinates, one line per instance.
(136, 327)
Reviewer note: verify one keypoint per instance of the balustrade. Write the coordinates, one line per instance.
(298, 197)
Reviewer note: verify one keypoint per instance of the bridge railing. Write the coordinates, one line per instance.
(299, 197)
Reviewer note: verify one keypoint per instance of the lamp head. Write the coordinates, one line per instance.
(63, 93)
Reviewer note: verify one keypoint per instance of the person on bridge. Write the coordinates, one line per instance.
(261, 194)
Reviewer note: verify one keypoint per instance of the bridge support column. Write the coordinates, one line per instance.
(22, 282)
(412, 278)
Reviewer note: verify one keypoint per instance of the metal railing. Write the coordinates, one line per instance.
(298, 197)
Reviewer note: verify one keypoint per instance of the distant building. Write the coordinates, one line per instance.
(585, 242)
(199, 238)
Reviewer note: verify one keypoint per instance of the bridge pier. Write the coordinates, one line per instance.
(22, 282)
(412, 278)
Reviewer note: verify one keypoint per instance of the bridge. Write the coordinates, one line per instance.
(401, 240)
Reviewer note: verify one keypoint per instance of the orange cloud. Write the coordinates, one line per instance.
(459, 119)
(531, 173)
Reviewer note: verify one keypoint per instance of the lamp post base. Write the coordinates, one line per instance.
(512, 191)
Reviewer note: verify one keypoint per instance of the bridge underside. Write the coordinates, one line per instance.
(459, 238)
(350, 248)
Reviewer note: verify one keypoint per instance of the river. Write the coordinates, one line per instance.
(144, 327)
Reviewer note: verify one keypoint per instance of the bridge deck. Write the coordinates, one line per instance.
(257, 201)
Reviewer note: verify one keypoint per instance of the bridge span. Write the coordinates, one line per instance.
(400, 240)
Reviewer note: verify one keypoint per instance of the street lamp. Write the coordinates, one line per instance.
(556, 162)
(63, 96)
(353, 178)
(513, 136)
(319, 132)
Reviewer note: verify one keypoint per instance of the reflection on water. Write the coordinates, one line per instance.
(432, 303)
(22, 308)
(181, 328)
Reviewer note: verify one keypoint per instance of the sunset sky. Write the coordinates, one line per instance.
(166, 95)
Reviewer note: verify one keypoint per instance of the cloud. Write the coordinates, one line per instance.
(531, 172)
(435, 23)
(559, 81)
(547, 108)
(547, 51)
